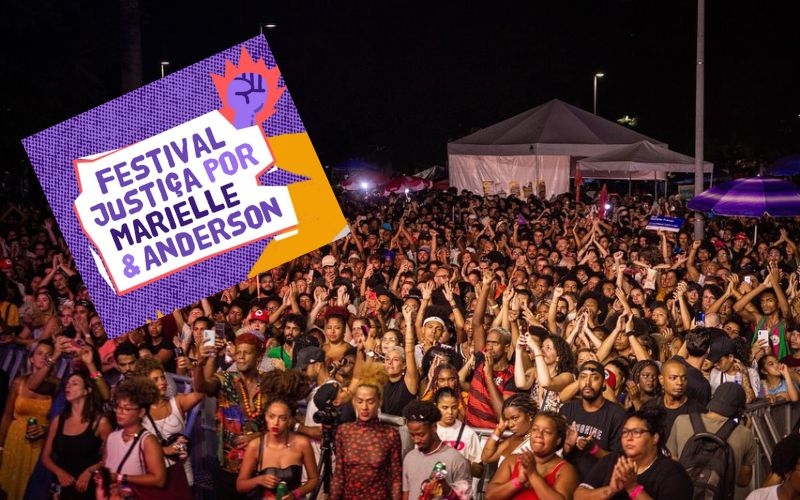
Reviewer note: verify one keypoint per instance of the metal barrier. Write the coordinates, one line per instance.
(770, 424)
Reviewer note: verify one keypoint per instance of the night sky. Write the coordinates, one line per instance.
(394, 84)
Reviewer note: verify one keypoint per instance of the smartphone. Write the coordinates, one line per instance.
(179, 352)
(219, 329)
(209, 338)
(763, 336)
(700, 318)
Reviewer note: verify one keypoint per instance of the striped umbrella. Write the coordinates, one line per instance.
(750, 197)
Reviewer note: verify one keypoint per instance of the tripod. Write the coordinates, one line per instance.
(324, 467)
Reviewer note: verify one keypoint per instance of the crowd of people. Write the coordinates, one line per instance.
(558, 349)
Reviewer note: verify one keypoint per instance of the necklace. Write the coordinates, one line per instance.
(441, 443)
(640, 472)
(251, 412)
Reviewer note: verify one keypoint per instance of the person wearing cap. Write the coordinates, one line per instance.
(728, 402)
(595, 422)
(311, 362)
(729, 368)
(329, 269)
(420, 464)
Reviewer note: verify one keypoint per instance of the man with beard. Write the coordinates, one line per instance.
(674, 401)
(557, 314)
(420, 464)
(293, 326)
(595, 422)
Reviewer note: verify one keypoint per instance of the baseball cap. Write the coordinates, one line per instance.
(259, 315)
(328, 260)
(434, 319)
(427, 250)
(721, 347)
(309, 356)
(741, 236)
(729, 399)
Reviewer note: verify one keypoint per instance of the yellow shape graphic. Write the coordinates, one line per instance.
(319, 217)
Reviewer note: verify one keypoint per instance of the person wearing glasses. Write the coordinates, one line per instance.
(132, 454)
(641, 470)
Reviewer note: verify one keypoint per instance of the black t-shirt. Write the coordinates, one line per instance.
(697, 387)
(666, 478)
(606, 423)
(170, 365)
(690, 406)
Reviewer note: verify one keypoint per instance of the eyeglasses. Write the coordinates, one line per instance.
(636, 433)
(126, 408)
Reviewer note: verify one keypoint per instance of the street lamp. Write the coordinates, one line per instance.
(269, 26)
(594, 94)
(163, 64)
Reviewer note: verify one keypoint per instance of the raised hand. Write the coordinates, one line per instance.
(247, 94)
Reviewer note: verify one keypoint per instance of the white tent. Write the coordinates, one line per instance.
(643, 161)
(535, 148)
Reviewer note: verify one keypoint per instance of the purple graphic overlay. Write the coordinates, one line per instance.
(129, 119)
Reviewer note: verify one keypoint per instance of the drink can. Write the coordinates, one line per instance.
(281, 490)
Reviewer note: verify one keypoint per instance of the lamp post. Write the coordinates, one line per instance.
(163, 64)
(594, 93)
(269, 26)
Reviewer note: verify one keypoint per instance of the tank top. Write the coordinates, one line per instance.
(395, 397)
(528, 493)
(76, 453)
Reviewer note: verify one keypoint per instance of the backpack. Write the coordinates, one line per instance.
(708, 458)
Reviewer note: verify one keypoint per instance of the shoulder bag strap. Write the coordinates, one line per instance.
(155, 427)
(130, 449)
(460, 432)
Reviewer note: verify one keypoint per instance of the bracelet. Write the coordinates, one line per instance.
(515, 482)
(635, 492)
(96, 375)
(594, 450)
(495, 437)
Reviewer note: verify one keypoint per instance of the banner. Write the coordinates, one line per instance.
(186, 186)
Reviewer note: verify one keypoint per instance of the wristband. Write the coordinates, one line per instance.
(296, 494)
(594, 450)
(515, 482)
(635, 492)
(96, 375)
(296, 426)
(495, 437)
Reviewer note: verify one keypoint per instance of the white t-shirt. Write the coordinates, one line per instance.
(768, 493)
(716, 378)
(469, 445)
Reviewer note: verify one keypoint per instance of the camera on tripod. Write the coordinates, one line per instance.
(329, 415)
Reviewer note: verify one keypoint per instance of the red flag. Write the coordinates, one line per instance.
(601, 202)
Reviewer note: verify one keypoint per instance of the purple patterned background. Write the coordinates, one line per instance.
(145, 112)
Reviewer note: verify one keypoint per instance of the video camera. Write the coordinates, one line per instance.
(327, 413)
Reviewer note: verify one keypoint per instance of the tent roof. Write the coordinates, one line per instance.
(639, 157)
(553, 128)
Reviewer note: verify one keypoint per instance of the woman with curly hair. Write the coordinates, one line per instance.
(166, 419)
(133, 455)
(72, 449)
(368, 452)
(553, 369)
(280, 454)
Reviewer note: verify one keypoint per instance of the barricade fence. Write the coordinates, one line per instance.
(769, 422)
